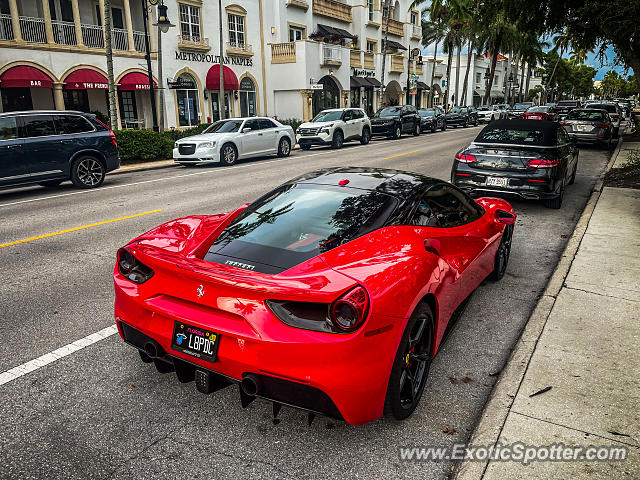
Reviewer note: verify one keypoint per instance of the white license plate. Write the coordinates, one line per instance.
(497, 181)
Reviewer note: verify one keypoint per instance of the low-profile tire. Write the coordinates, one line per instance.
(444, 126)
(502, 255)
(397, 132)
(411, 364)
(366, 136)
(465, 124)
(305, 146)
(87, 172)
(434, 127)
(338, 139)
(51, 183)
(228, 154)
(572, 180)
(284, 147)
(416, 129)
(556, 202)
(475, 123)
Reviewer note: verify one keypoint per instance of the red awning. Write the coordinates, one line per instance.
(135, 81)
(213, 78)
(85, 79)
(24, 76)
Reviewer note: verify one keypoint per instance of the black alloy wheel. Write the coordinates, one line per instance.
(411, 365)
(573, 174)
(502, 255)
(87, 172)
(366, 136)
(556, 203)
(338, 139)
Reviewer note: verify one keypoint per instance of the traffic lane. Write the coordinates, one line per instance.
(32, 211)
(101, 412)
(60, 288)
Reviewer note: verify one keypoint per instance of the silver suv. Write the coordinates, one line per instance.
(334, 127)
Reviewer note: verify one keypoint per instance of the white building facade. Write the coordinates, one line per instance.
(282, 58)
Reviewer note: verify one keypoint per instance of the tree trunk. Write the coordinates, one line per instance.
(449, 61)
(515, 75)
(492, 70)
(433, 73)
(506, 80)
(457, 95)
(113, 116)
(521, 81)
(466, 76)
(526, 90)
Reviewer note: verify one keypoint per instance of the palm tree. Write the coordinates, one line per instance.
(532, 53)
(432, 32)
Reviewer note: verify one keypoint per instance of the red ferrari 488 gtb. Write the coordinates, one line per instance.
(330, 293)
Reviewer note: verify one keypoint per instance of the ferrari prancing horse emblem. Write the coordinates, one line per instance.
(200, 291)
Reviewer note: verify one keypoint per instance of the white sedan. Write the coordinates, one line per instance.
(226, 141)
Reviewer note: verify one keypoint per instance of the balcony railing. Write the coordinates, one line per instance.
(119, 39)
(395, 27)
(369, 61)
(283, 52)
(332, 9)
(6, 27)
(239, 48)
(331, 55)
(397, 63)
(138, 41)
(355, 58)
(64, 33)
(193, 42)
(33, 30)
(92, 36)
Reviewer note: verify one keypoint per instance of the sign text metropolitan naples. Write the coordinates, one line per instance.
(207, 57)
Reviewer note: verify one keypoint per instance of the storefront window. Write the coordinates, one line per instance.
(16, 99)
(187, 102)
(355, 97)
(328, 97)
(247, 97)
(367, 100)
(215, 106)
(76, 100)
(128, 109)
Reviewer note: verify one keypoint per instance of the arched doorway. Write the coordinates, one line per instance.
(247, 97)
(328, 97)
(187, 98)
(436, 94)
(392, 94)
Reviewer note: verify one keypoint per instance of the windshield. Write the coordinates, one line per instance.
(567, 104)
(508, 135)
(538, 109)
(585, 115)
(328, 116)
(608, 108)
(484, 108)
(297, 222)
(226, 126)
(427, 112)
(521, 106)
(456, 110)
(388, 112)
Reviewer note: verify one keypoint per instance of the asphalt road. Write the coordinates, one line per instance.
(101, 413)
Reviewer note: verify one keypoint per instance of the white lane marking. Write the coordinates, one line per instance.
(205, 172)
(46, 359)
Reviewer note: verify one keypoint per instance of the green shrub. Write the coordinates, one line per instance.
(175, 134)
(136, 145)
(633, 159)
(292, 122)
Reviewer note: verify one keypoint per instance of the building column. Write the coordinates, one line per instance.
(58, 98)
(129, 25)
(150, 29)
(15, 21)
(307, 105)
(76, 23)
(47, 21)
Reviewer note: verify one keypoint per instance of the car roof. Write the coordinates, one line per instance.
(397, 183)
(43, 112)
(548, 128)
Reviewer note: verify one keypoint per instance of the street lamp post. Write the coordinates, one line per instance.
(163, 25)
(147, 56)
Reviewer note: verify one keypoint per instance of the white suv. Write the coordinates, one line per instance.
(489, 113)
(334, 127)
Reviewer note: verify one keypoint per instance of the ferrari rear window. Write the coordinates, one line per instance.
(514, 136)
(297, 222)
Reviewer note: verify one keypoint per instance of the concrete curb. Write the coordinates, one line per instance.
(143, 167)
(489, 427)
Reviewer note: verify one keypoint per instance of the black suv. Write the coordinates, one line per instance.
(49, 147)
(432, 119)
(463, 116)
(394, 121)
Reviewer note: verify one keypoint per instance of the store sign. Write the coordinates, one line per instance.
(208, 58)
(90, 86)
(246, 84)
(413, 84)
(316, 86)
(181, 84)
(360, 72)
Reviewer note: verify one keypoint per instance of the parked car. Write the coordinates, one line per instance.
(394, 121)
(614, 113)
(565, 106)
(489, 113)
(227, 141)
(519, 108)
(589, 126)
(530, 159)
(348, 275)
(504, 108)
(432, 119)
(47, 147)
(540, 113)
(462, 116)
(334, 127)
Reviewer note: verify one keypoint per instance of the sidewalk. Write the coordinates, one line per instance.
(583, 341)
(139, 167)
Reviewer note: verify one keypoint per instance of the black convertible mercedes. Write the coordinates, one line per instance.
(529, 159)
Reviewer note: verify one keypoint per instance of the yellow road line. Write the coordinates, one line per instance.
(401, 154)
(77, 228)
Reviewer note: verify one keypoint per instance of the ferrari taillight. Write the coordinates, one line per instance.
(543, 163)
(350, 310)
(465, 158)
(132, 268)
